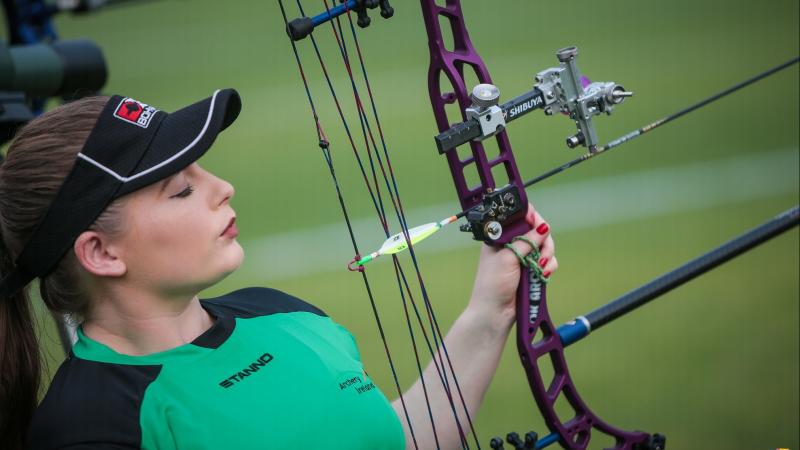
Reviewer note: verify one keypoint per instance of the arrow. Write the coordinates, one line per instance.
(397, 243)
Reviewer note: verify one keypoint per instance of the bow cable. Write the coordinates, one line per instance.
(325, 147)
(398, 206)
(378, 204)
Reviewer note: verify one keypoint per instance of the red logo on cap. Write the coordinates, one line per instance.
(135, 112)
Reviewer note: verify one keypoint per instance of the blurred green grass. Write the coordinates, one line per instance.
(712, 365)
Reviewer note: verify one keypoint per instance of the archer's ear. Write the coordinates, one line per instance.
(96, 255)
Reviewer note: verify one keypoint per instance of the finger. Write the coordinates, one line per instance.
(548, 248)
(547, 253)
(550, 267)
(523, 247)
(531, 215)
(542, 228)
(545, 262)
(536, 221)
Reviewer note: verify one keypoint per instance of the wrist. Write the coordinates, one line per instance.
(493, 320)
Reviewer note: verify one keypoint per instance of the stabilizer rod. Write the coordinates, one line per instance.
(580, 327)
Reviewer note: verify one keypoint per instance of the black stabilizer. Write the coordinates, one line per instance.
(299, 28)
(694, 268)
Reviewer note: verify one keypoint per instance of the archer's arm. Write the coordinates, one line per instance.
(474, 343)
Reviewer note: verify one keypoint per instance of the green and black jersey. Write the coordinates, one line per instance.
(273, 372)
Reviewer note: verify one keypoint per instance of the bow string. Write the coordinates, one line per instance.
(494, 208)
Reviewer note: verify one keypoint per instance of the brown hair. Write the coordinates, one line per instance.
(38, 160)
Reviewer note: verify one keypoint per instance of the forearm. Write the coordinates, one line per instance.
(474, 344)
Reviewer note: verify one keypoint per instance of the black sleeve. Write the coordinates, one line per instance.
(92, 405)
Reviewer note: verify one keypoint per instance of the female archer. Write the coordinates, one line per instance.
(104, 202)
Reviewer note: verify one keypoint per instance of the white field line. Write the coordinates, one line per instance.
(575, 206)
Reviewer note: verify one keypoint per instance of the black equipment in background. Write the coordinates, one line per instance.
(66, 69)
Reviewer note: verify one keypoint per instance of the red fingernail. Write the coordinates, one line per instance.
(542, 262)
(546, 274)
(542, 229)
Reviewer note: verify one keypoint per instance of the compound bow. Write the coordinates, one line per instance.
(495, 208)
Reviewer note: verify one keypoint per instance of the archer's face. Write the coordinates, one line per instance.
(179, 234)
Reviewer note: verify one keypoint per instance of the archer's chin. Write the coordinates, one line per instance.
(234, 256)
(230, 262)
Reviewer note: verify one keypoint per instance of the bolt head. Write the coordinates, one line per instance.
(485, 95)
(567, 53)
(493, 230)
(573, 142)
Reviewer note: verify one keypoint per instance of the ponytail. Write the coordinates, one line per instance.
(37, 162)
(20, 363)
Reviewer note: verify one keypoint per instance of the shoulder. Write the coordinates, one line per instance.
(92, 403)
(258, 301)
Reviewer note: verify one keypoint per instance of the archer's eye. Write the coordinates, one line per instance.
(187, 191)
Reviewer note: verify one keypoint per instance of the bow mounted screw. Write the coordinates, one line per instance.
(513, 438)
(493, 230)
(484, 95)
(301, 27)
(386, 10)
(496, 444)
(361, 10)
(485, 111)
(654, 442)
(531, 438)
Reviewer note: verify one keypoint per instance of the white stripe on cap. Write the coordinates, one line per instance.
(162, 163)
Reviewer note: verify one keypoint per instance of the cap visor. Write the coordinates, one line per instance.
(183, 137)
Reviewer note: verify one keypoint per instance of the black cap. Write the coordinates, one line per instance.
(131, 146)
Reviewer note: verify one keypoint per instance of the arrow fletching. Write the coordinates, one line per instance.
(397, 243)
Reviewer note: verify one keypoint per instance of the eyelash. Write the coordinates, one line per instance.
(186, 192)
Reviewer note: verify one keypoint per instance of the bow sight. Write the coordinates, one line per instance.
(557, 90)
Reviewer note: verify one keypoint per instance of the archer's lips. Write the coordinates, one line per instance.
(230, 231)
